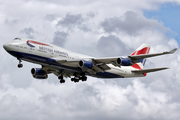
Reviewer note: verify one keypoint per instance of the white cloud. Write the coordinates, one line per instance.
(131, 23)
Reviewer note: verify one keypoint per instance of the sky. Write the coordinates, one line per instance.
(168, 14)
(100, 29)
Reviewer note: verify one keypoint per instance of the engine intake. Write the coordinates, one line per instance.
(85, 64)
(124, 62)
(39, 73)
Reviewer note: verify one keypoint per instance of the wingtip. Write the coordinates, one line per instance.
(164, 68)
(173, 50)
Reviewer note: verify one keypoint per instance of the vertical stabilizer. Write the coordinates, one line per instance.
(143, 49)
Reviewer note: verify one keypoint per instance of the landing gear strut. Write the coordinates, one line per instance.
(61, 79)
(20, 65)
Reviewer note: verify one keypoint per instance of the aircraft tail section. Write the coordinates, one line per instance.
(143, 49)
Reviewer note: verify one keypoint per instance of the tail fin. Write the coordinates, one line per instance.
(143, 49)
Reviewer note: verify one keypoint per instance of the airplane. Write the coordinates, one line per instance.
(64, 63)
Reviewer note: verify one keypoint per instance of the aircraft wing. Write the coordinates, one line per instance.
(137, 57)
(148, 70)
(116, 61)
(99, 65)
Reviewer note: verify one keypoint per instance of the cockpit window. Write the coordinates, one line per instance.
(17, 38)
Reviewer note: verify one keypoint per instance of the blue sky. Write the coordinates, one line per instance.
(169, 15)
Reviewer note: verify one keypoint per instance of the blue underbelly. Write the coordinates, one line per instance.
(48, 61)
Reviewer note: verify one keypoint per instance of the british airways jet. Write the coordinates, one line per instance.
(64, 63)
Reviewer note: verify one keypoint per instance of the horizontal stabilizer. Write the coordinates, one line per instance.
(137, 57)
(148, 70)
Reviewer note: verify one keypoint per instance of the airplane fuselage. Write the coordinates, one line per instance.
(48, 55)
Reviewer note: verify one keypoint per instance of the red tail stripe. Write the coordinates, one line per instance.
(133, 53)
(136, 66)
(142, 51)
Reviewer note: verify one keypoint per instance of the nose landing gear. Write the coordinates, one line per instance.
(20, 65)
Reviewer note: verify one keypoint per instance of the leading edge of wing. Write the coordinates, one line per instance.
(148, 70)
(137, 57)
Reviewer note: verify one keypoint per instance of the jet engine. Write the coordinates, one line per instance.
(123, 62)
(38, 73)
(85, 64)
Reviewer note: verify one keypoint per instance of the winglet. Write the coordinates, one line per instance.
(172, 51)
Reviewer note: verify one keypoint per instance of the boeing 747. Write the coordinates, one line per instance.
(64, 63)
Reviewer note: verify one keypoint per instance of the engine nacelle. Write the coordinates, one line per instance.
(39, 73)
(124, 62)
(85, 64)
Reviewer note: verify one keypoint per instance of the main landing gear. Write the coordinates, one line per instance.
(77, 78)
(20, 65)
(61, 79)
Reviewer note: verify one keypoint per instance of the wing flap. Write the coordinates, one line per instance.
(105, 67)
(65, 73)
(148, 70)
(91, 71)
(101, 68)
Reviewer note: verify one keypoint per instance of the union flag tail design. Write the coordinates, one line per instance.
(143, 49)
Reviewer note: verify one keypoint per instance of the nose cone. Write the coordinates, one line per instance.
(5, 46)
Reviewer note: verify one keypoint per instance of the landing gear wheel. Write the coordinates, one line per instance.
(20, 65)
(60, 77)
(84, 78)
(80, 78)
(76, 80)
(72, 79)
(62, 81)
